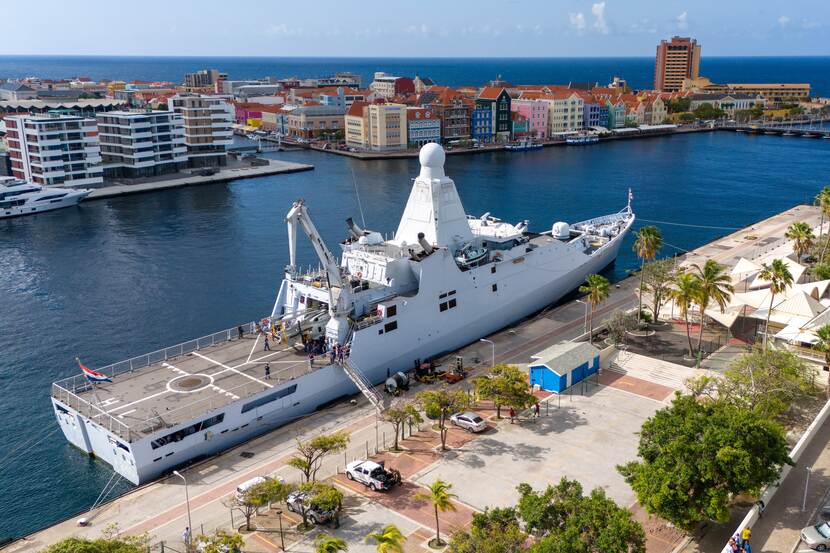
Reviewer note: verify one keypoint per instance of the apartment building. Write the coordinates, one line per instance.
(55, 149)
(536, 114)
(141, 143)
(497, 101)
(455, 113)
(356, 128)
(208, 128)
(422, 127)
(377, 127)
(309, 122)
(565, 111)
(677, 59)
(388, 86)
(203, 78)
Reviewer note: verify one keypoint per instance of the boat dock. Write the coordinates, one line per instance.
(273, 167)
(161, 508)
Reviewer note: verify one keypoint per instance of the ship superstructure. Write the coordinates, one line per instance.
(444, 280)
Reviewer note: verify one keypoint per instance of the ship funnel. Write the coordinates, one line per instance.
(424, 244)
(354, 230)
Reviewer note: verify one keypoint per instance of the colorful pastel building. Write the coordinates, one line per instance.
(422, 127)
(536, 114)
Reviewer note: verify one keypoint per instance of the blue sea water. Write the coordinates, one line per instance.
(449, 71)
(116, 278)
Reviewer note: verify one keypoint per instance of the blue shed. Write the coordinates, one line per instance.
(559, 367)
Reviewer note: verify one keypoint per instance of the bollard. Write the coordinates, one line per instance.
(384, 439)
(367, 449)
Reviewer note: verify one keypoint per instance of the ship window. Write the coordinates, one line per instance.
(122, 446)
(495, 287)
(181, 434)
(451, 293)
(392, 310)
(443, 306)
(442, 296)
(452, 303)
(279, 394)
(60, 409)
(493, 269)
(157, 459)
(389, 327)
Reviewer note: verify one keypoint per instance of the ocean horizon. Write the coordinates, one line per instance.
(452, 71)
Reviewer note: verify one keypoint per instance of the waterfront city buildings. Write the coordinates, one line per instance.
(677, 59)
(309, 122)
(497, 101)
(389, 86)
(422, 126)
(536, 114)
(204, 78)
(55, 150)
(142, 143)
(208, 128)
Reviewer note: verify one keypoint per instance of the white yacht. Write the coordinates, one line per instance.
(20, 197)
(444, 280)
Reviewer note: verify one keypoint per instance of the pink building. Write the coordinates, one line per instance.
(536, 113)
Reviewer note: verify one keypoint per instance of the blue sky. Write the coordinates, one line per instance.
(416, 28)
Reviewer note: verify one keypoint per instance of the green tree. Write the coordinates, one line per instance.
(679, 105)
(647, 242)
(329, 544)
(598, 289)
(321, 496)
(220, 542)
(823, 345)
(444, 402)
(505, 385)
(714, 285)
(695, 457)
(658, 276)
(708, 111)
(618, 324)
(779, 277)
(566, 521)
(802, 236)
(496, 530)
(258, 496)
(389, 539)
(822, 200)
(685, 293)
(440, 497)
(397, 415)
(101, 545)
(765, 381)
(310, 453)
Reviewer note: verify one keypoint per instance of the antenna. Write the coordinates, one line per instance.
(356, 193)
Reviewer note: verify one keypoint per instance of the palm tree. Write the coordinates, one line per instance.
(802, 236)
(684, 294)
(388, 540)
(780, 278)
(329, 544)
(823, 201)
(714, 285)
(441, 498)
(647, 243)
(598, 288)
(823, 345)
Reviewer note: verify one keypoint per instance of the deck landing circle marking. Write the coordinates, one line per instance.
(189, 383)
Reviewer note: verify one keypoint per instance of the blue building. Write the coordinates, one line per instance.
(604, 115)
(482, 124)
(561, 366)
(590, 113)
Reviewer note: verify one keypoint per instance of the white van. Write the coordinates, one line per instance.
(248, 484)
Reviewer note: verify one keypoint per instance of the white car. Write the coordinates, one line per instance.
(469, 421)
(372, 475)
(248, 484)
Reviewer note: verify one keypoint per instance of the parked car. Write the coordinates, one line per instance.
(296, 502)
(468, 421)
(248, 484)
(817, 537)
(372, 475)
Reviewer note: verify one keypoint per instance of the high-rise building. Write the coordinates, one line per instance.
(677, 59)
(208, 128)
(141, 143)
(55, 149)
(204, 78)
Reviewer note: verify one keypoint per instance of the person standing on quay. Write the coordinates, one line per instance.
(267, 345)
(267, 371)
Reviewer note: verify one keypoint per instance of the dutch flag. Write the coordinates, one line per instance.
(92, 376)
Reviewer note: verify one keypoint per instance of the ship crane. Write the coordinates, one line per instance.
(298, 215)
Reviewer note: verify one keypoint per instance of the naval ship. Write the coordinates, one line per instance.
(444, 280)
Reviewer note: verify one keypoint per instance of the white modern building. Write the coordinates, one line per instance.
(141, 143)
(208, 128)
(55, 150)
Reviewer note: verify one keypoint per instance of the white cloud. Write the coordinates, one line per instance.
(577, 21)
(284, 30)
(810, 24)
(683, 21)
(598, 10)
(421, 29)
(784, 20)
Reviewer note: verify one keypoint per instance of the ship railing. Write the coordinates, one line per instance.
(79, 382)
(93, 412)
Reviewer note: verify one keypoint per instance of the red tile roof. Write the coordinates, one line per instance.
(490, 93)
(356, 109)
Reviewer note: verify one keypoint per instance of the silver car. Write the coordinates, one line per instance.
(469, 421)
(817, 537)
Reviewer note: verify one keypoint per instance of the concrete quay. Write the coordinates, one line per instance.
(612, 408)
(274, 167)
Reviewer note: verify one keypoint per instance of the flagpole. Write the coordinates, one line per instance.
(91, 383)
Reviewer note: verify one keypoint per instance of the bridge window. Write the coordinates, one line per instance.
(389, 327)
(392, 310)
(179, 435)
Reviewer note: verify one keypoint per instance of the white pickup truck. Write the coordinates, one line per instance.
(372, 475)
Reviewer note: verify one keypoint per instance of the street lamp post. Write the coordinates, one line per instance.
(493, 356)
(282, 539)
(187, 500)
(585, 321)
(806, 485)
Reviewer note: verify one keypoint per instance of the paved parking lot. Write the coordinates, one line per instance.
(571, 441)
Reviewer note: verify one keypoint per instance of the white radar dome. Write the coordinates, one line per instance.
(432, 155)
(561, 231)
